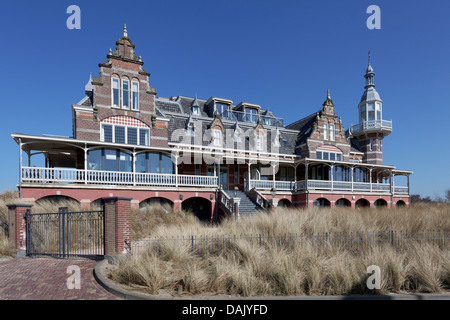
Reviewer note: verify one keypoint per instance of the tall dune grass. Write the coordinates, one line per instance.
(246, 269)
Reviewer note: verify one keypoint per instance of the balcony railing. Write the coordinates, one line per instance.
(372, 125)
(234, 115)
(327, 185)
(56, 175)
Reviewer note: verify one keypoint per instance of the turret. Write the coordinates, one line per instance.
(371, 129)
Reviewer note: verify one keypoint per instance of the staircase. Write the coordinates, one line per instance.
(247, 205)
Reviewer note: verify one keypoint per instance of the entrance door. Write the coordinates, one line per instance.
(223, 177)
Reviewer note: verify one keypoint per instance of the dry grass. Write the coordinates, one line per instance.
(247, 269)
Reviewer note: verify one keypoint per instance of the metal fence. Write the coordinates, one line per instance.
(65, 234)
(325, 242)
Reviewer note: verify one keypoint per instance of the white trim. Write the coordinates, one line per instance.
(122, 83)
(138, 87)
(112, 92)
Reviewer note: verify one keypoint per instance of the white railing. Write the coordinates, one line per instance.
(371, 125)
(54, 175)
(401, 190)
(269, 184)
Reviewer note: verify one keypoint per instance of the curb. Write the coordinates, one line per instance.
(111, 287)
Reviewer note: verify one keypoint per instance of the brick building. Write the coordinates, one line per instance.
(214, 156)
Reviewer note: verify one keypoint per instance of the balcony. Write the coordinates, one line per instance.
(96, 177)
(327, 185)
(372, 126)
(233, 115)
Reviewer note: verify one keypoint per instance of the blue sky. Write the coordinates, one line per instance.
(283, 55)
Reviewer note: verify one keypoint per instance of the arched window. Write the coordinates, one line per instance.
(135, 95)
(325, 131)
(332, 131)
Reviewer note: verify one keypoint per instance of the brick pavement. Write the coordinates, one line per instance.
(46, 279)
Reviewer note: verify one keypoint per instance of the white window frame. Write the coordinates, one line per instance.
(196, 111)
(259, 142)
(114, 79)
(325, 131)
(322, 157)
(134, 107)
(123, 94)
(217, 138)
(102, 133)
(332, 135)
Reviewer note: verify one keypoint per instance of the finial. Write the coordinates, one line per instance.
(328, 94)
(369, 56)
(110, 51)
(140, 58)
(125, 33)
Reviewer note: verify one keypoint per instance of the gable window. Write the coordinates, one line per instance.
(325, 155)
(125, 135)
(135, 95)
(115, 92)
(217, 138)
(125, 94)
(332, 131)
(325, 131)
(259, 143)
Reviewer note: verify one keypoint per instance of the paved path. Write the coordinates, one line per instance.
(46, 279)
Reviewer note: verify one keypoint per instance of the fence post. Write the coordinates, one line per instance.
(117, 225)
(17, 228)
(392, 238)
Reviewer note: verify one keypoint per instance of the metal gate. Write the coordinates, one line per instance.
(66, 234)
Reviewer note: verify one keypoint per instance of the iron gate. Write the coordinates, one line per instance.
(66, 234)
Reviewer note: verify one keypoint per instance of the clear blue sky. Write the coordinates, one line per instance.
(281, 54)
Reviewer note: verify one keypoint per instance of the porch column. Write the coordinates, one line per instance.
(176, 170)
(351, 172)
(306, 174)
(370, 179)
(134, 168)
(295, 178)
(407, 179)
(332, 176)
(248, 174)
(20, 168)
(85, 164)
(273, 176)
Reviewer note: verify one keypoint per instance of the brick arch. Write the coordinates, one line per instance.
(56, 199)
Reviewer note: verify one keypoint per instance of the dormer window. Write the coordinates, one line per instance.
(251, 115)
(125, 94)
(196, 111)
(259, 143)
(115, 92)
(135, 95)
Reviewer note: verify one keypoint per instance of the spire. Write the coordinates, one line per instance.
(125, 32)
(89, 87)
(369, 74)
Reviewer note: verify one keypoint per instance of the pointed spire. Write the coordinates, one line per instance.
(125, 32)
(369, 74)
(328, 94)
(89, 87)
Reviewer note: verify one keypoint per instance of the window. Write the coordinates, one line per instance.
(132, 135)
(119, 134)
(259, 143)
(135, 95)
(371, 145)
(125, 134)
(370, 112)
(154, 163)
(190, 130)
(196, 111)
(144, 135)
(325, 131)
(115, 92)
(198, 171)
(109, 160)
(332, 131)
(363, 113)
(222, 107)
(378, 110)
(107, 132)
(125, 94)
(217, 138)
(325, 155)
(251, 115)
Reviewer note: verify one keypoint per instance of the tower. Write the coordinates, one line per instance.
(371, 129)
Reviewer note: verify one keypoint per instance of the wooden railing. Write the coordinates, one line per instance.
(56, 175)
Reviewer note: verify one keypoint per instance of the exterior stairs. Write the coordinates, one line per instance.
(247, 205)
